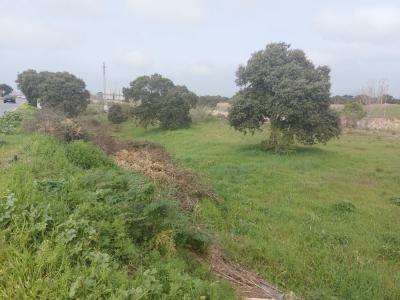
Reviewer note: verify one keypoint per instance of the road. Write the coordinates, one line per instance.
(9, 106)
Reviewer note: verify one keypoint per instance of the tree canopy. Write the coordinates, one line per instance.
(281, 86)
(116, 114)
(28, 83)
(159, 100)
(60, 91)
(5, 89)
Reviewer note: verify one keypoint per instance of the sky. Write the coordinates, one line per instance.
(198, 43)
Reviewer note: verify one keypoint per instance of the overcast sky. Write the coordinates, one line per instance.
(198, 43)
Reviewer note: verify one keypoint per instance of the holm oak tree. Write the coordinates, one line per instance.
(280, 86)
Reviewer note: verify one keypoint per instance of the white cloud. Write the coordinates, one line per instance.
(137, 59)
(366, 24)
(341, 53)
(176, 11)
(22, 32)
(321, 56)
(45, 8)
(202, 67)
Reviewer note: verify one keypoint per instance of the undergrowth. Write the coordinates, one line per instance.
(74, 226)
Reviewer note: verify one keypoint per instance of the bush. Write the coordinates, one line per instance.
(160, 101)
(86, 155)
(201, 114)
(116, 114)
(9, 122)
(352, 113)
(49, 122)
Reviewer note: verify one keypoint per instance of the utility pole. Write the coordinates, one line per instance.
(105, 106)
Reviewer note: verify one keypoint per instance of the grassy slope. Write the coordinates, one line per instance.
(98, 232)
(291, 218)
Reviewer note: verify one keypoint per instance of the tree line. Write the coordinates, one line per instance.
(278, 86)
(364, 99)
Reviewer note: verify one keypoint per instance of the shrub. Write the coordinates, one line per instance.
(196, 240)
(49, 122)
(201, 114)
(9, 122)
(159, 100)
(352, 113)
(116, 114)
(86, 155)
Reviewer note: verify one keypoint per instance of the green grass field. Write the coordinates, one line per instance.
(319, 222)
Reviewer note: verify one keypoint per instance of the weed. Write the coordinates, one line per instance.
(86, 155)
(344, 207)
(391, 246)
(10, 122)
(7, 209)
(50, 185)
(395, 200)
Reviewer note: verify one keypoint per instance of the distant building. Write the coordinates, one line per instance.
(109, 97)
